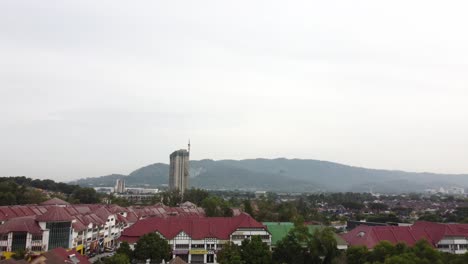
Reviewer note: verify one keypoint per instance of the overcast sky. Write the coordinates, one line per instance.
(89, 88)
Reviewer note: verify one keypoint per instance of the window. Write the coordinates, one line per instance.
(210, 246)
(463, 246)
(442, 246)
(219, 246)
(198, 245)
(4, 237)
(3, 248)
(36, 237)
(265, 237)
(59, 234)
(238, 237)
(184, 246)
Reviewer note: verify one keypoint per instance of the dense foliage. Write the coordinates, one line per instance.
(212, 204)
(22, 190)
(118, 259)
(300, 246)
(152, 246)
(252, 251)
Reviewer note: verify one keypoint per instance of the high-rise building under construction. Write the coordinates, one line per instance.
(179, 170)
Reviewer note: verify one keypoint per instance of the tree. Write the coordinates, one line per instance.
(323, 245)
(152, 246)
(248, 207)
(230, 254)
(85, 195)
(290, 250)
(31, 196)
(119, 201)
(171, 198)
(215, 206)
(125, 249)
(118, 259)
(430, 218)
(357, 254)
(255, 251)
(195, 196)
(382, 251)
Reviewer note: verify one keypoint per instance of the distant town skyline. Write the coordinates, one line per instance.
(92, 88)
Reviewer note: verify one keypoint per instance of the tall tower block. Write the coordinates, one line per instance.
(179, 170)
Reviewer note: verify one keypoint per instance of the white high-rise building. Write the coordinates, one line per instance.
(119, 186)
(179, 170)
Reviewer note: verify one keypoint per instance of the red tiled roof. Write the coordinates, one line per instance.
(60, 255)
(195, 227)
(22, 224)
(177, 260)
(132, 217)
(370, 236)
(102, 213)
(55, 201)
(55, 214)
(78, 226)
(121, 218)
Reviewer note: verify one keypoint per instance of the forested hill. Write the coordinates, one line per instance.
(285, 175)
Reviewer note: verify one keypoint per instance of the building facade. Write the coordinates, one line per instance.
(179, 170)
(198, 239)
(86, 228)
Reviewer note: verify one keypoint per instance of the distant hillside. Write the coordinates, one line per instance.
(285, 175)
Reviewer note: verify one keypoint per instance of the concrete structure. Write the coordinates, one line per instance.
(179, 170)
(119, 186)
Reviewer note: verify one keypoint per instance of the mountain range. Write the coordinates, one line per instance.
(287, 175)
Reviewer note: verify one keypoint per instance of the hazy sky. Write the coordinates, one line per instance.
(89, 88)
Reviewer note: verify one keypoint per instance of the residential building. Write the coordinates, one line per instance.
(198, 239)
(179, 170)
(86, 228)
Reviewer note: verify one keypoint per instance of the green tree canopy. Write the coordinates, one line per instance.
(215, 206)
(85, 195)
(255, 251)
(118, 259)
(230, 254)
(152, 246)
(125, 249)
